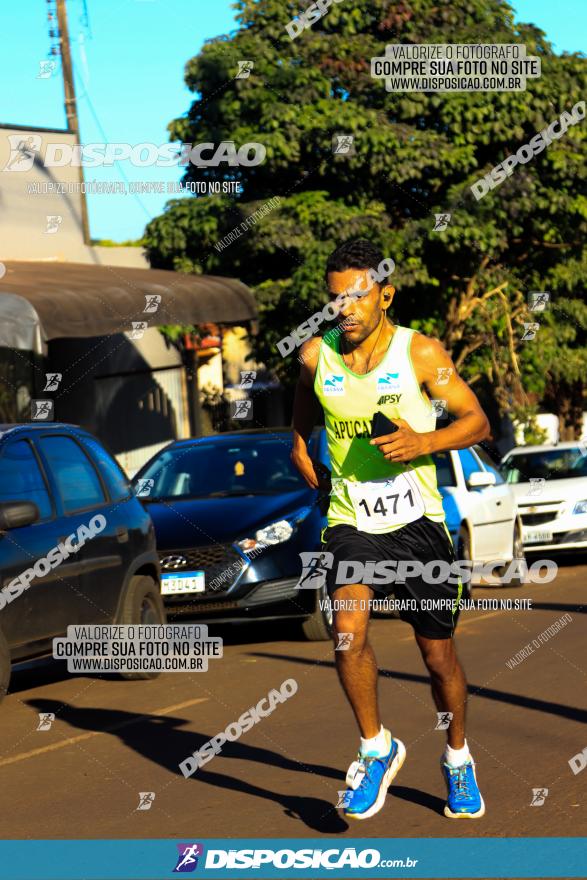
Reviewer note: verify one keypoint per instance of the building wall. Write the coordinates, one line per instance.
(23, 220)
(132, 393)
(31, 194)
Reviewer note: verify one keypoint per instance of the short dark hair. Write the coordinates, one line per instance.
(356, 253)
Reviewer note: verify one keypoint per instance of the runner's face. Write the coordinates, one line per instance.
(361, 316)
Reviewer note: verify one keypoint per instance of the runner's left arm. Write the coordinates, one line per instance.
(438, 376)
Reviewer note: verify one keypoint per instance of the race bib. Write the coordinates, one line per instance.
(389, 501)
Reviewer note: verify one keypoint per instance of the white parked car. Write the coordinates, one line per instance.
(479, 506)
(550, 483)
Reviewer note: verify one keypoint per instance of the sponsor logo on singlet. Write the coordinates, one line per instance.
(388, 382)
(388, 398)
(333, 385)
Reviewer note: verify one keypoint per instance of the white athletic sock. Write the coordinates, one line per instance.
(377, 745)
(456, 757)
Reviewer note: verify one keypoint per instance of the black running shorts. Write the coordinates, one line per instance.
(431, 608)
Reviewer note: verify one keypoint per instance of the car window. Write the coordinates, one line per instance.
(489, 464)
(21, 478)
(445, 474)
(244, 466)
(469, 462)
(551, 464)
(117, 483)
(73, 472)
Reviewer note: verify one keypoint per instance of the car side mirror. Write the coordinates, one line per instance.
(15, 514)
(481, 480)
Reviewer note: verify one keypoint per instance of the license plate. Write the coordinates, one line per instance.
(543, 536)
(186, 582)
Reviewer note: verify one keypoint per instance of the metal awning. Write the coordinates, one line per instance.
(20, 327)
(79, 299)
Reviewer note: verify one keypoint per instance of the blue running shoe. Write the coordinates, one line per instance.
(464, 798)
(368, 779)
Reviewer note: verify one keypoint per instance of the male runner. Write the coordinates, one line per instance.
(366, 364)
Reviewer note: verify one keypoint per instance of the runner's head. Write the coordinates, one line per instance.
(349, 270)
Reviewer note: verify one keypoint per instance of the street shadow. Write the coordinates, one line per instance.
(247, 632)
(159, 739)
(33, 674)
(415, 796)
(563, 559)
(556, 606)
(486, 693)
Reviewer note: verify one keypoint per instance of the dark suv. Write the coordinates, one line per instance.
(76, 546)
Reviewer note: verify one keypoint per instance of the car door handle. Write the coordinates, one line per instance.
(122, 534)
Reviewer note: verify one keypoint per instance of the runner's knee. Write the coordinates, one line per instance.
(353, 623)
(440, 658)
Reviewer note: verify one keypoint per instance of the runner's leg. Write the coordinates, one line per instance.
(449, 689)
(356, 666)
(449, 686)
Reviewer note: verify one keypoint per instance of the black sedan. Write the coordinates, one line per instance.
(231, 517)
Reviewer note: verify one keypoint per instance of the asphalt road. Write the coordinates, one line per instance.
(112, 739)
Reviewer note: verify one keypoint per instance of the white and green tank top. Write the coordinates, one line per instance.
(370, 492)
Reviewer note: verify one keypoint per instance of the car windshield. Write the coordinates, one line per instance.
(551, 464)
(256, 466)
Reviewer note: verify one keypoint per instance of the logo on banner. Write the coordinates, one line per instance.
(187, 859)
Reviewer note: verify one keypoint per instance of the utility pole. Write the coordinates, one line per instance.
(71, 105)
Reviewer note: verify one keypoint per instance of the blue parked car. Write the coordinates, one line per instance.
(232, 515)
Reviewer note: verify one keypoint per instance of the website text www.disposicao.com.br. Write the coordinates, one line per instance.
(329, 859)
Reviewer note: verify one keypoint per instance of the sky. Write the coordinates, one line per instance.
(144, 44)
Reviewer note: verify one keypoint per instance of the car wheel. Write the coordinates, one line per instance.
(519, 555)
(464, 553)
(142, 605)
(5, 666)
(318, 627)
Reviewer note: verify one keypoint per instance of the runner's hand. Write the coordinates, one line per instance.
(403, 445)
(316, 474)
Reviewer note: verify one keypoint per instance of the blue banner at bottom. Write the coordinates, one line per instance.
(370, 858)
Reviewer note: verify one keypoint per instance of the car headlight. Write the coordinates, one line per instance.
(580, 506)
(275, 533)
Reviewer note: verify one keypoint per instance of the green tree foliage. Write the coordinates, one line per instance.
(416, 154)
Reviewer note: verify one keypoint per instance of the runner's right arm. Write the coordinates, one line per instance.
(305, 413)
